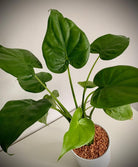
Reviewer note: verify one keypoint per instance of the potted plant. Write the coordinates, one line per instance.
(113, 88)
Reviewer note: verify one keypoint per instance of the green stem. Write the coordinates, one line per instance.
(72, 89)
(88, 108)
(87, 98)
(84, 91)
(90, 116)
(61, 112)
(59, 103)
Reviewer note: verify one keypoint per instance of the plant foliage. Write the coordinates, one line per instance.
(64, 44)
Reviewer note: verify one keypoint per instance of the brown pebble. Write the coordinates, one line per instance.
(98, 147)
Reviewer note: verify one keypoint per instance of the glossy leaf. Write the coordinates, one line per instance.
(88, 84)
(117, 86)
(81, 132)
(109, 46)
(18, 62)
(31, 84)
(64, 44)
(120, 113)
(16, 116)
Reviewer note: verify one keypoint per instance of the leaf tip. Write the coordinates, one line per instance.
(61, 155)
(59, 158)
(5, 149)
(79, 83)
(63, 152)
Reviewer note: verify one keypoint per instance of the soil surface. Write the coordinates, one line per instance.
(99, 146)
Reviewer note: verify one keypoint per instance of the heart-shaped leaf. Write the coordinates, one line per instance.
(64, 44)
(81, 132)
(16, 116)
(120, 113)
(88, 84)
(31, 84)
(18, 62)
(117, 86)
(109, 46)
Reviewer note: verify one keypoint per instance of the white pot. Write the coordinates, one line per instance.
(102, 161)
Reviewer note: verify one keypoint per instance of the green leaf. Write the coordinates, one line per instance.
(53, 105)
(43, 119)
(117, 86)
(88, 84)
(120, 113)
(64, 44)
(81, 132)
(51, 99)
(18, 62)
(55, 93)
(16, 116)
(109, 46)
(31, 84)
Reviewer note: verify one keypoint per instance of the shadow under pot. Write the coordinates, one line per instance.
(98, 153)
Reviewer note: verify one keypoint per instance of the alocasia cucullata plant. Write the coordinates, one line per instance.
(65, 44)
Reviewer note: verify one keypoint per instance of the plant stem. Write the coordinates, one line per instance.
(72, 89)
(87, 98)
(61, 112)
(91, 112)
(68, 116)
(84, 91)
(88, 108)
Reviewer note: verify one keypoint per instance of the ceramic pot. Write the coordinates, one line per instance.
(102, 161)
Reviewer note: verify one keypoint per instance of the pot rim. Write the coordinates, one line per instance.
(95, 159)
